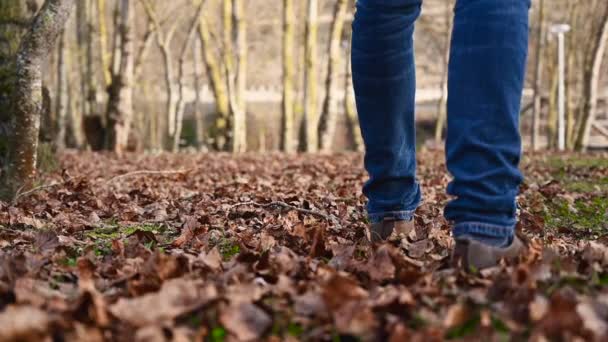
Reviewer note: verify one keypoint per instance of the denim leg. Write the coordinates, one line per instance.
(483, 147)
(385, 86)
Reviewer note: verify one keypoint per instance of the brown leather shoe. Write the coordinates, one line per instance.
(473, 255)
(384, 230)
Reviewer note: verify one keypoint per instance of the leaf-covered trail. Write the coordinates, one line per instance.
(273, 248)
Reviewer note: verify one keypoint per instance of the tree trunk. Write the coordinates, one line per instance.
(442, 109)
(552, 117)
(11, 11)
(239, 142)
(349, 106)
(288, 134)
(181, 102)
(61, 98)
(103, 42)
(198, 111)
(538, 75)
(311, 117)
(82, 36)
(329, 116)
(218, 86)
(120, 111)
(27, 97)
(591, 83)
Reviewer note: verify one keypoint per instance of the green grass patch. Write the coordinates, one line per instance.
(228, 248)
(590, 216)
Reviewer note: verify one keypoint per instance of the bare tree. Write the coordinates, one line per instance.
(288, 134)
(198, 112)
(103, 42)
(120, 104)
(592, 71)
(310, 139)
(27, 96)
(329, 115)
(538, 75)
(239, 141)
(163, 41)
(217, 84)
(181, 102)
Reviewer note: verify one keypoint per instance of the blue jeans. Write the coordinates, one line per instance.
(485, 83)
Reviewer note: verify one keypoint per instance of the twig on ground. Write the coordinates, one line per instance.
(328, 217)
(146, 172)
(20, 194)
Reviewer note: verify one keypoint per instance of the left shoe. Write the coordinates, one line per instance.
(382, 231)
(474, 255)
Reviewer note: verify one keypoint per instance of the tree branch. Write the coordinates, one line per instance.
(328, 217)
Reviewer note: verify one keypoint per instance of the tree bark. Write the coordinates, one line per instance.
(538, 75)
(239, 141)
(120, 110)
(10, 11)
(61, 98)
(442, 109)
(349, 106)
(27, 97)
(218, 87)
(311, 117)
(198, 111)
(288, 134)
(329, 115)
(591, 83)
(181, 101)
(103, 42)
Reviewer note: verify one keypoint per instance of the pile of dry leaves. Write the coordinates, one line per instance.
(211, 247)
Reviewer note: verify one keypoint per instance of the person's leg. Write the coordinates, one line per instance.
(384, 81)
(483, 147)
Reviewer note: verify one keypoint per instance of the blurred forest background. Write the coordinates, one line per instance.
(258, 75)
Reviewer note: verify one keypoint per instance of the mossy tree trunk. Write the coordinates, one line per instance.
(26, 98)
(12, 13)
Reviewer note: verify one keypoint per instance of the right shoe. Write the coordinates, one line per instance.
(382, 231)
(471, 255)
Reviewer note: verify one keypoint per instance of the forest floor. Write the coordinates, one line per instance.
(211, 247)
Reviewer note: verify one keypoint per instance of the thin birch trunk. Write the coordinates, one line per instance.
(311, 117)
(349, 106)
(288, 134)
(240, 116)
(181, 100)
(329, 115)
(442, 109)
(61, 98)
(198, 111)
(538, 75)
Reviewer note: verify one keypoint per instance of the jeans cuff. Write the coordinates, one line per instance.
(485, 229)
(403, 215)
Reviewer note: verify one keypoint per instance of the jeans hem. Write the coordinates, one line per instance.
(486, 229)
(402, 215)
